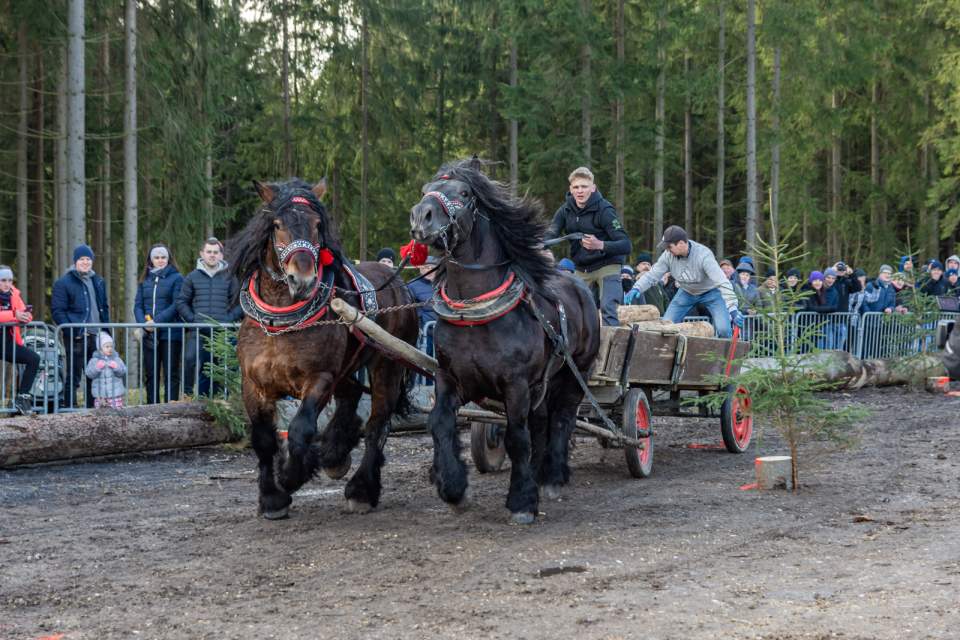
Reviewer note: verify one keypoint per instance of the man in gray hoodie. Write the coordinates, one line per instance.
(699, 278)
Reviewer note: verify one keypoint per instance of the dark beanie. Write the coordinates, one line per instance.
(82, 251)
(386, 252)
(644, 256)
(793, 272)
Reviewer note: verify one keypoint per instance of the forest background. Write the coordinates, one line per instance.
(127, 123)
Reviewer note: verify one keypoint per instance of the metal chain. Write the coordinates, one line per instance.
(341, 321)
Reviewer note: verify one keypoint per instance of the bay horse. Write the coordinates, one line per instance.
(489, 342)
(290, 264)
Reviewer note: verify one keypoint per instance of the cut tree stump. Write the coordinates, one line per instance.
(774, 472)
(99, 432)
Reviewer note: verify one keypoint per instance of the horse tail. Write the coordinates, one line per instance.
(405, 406)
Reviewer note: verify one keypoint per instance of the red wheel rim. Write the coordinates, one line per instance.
(643, 424)
(742, 420)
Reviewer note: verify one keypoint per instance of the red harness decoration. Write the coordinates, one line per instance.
(451, 316)
(297, 306)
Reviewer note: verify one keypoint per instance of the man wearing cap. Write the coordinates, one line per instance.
(880, 295)
(604, 247)
(699, 280)
(935, 285)
(644, 263)
(79, 296)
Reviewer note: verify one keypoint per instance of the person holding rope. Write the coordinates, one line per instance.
(699, 279)
(601, 246)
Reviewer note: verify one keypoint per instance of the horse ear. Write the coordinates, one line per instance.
(475, 163)
(264, 190)
(320, 188)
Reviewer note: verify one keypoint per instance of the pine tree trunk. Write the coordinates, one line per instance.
(586, 127)
(22, 148)
(37, 259)
(208, 195)
(62, 214)
(721, 141)
(106, 175)
(687, 152)
(660, 125)
(835, 179)
(285, 77)
(364, 134)
(875, 171)
(76, 125)
(130, 199)
(493, 92)
(752, 199)
(620, 190)
(514, 124)
(930, 218)
(775, 153)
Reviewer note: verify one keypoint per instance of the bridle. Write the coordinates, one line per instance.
(285, 251)
(455, 209)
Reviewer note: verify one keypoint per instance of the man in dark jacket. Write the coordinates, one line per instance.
(604, 247)
(208, 293)
(79, 297)
(935, 284)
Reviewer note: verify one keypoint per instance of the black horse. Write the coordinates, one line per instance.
(290, 263)
(490, 344)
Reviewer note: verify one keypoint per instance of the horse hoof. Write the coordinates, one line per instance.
(335, 473)
(461, 505)
(279, 514)
(522, 517)
(552, 491)
(355, 506)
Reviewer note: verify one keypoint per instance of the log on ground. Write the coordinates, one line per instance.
(848, 372)
(99, 432)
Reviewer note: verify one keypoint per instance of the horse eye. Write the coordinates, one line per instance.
(463, 193)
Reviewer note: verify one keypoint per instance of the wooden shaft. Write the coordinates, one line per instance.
(489, 416)
(398, 347)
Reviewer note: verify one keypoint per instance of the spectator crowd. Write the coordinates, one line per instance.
(173, 357)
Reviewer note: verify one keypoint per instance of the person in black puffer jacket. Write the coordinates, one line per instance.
(156, 301)
(208, 293)
(604, 247)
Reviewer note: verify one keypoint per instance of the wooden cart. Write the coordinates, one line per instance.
(631, 366)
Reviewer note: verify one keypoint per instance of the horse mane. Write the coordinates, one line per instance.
(247, 247)
(517, 223)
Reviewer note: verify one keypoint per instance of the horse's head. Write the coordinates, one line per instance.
(296, 230)
(446, 212)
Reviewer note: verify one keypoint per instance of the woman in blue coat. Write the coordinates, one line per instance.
(157, 303)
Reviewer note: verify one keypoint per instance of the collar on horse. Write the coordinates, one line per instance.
(483, 308)
(306, 313)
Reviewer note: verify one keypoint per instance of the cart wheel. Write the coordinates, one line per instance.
(636, 417)
(486, 446)
(736, 423)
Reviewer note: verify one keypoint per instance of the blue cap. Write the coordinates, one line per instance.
(566, 264)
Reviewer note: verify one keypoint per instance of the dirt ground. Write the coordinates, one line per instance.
(169, 546)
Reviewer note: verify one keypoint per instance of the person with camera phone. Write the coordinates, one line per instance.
(13, 313)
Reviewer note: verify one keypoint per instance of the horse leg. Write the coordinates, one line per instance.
(342, 433)
(449, 470)
(538, 422)
(563, 402)
(363, 490)
(273, 502)
(522, 498)
(299, 464)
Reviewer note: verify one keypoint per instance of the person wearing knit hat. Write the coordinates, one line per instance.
(885, 268)
(626, 277)
(952, 277)
(13, 313)
(880, 295)
(566, 264)
(156, 302)
(644, 262)
(905, 264)
(386, 256)
(823, 300)
(79, 297)
(107, 373)
(953, 262)
(746, 289)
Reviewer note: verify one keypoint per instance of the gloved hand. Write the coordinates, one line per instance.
(736, 318)
(112, 364)
(101, 364)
